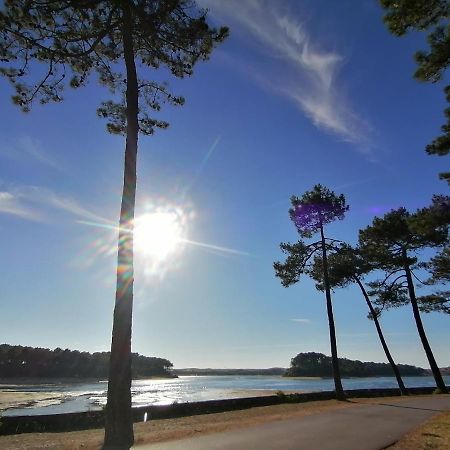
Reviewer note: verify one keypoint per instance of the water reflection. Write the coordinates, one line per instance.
(74, 397)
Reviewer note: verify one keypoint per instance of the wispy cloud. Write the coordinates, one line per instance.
(11, 204)
(301, 320)
(298, 66)
(26, 147)
(34, 202)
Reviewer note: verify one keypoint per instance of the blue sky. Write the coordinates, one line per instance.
(302, 92)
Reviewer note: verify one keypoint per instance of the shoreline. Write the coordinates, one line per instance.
(155, 431)
(10, 399)
(70, 421)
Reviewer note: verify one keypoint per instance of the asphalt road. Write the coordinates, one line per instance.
(362, 427)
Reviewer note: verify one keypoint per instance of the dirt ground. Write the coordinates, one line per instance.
(432, 435)
(168, 429)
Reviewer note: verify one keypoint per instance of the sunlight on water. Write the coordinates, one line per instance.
(92, 396)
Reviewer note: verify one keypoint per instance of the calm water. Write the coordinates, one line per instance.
(92, 396)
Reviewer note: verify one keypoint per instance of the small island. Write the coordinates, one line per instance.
(314, 364)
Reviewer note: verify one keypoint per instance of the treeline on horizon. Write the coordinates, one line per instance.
(313, 364)
(19, 361)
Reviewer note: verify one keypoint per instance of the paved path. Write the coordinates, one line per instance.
(362, 427)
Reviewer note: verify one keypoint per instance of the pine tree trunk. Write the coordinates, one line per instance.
(423, 337)
(401, 385)
(119, 420)
(340, 395)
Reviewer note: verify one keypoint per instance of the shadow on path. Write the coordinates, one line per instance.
(400, 406)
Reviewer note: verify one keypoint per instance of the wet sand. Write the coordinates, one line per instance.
(9, 398)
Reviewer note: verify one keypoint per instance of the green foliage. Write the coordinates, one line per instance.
(385, 242)
(316, 208)
(345, 266)
(296, 263)
(441, 145)
(394, 242)
(70, 41)
(389, 295)
(408, 15)
(433, 220)
(437, 302)
(314, 364)
(18, 361)
(439, 266)
(310, 213)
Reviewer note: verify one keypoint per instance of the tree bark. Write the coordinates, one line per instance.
(119, 420)
(401, 385)
(423, 337)
(340, 395)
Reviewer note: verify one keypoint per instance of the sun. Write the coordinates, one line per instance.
(158, 234)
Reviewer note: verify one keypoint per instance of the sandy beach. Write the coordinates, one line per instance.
(9, 398)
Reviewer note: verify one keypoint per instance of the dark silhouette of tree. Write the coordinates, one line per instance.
(347, 266)
(438, 213)
(314, 364)
(18, 361)
(310, 213)
(439, 266)
(418, 15)
(119, 40)
(392, 243)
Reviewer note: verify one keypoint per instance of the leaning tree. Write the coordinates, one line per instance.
(393, 244)
(46, 45)
(347, 266)
(310, 213)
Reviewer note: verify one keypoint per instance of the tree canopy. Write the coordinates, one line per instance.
(403, 16)
(392, 244)
(310, 213)
(46, 45)
(73, 40)
(313, 364)
(19, 361)
(316, 208)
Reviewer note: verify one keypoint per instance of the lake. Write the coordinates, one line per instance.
(59, 398)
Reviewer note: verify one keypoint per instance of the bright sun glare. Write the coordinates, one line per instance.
(158, 234)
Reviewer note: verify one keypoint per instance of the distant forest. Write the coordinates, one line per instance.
(319, 365)
(18, 361)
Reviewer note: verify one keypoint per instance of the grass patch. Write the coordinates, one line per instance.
(432, 435)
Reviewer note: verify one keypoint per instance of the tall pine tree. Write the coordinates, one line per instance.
(393, 243)
(47, 45)
(347, 266)
(310, 213)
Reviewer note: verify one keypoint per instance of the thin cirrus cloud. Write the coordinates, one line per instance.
(12, 204)
(35, 203)
(295, 66)
(301, 320)
(26, 147)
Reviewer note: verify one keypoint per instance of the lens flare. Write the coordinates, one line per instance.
(158, 234)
